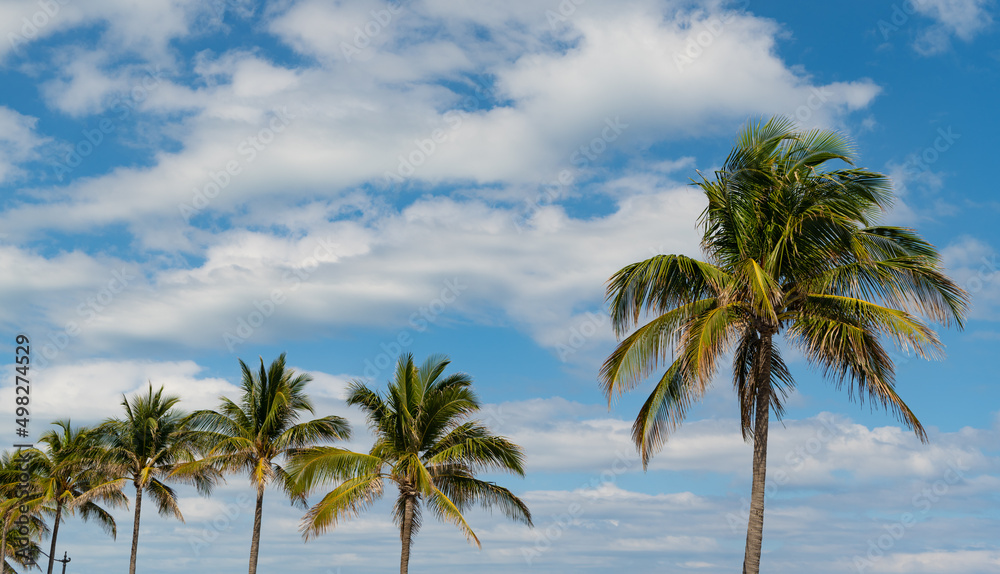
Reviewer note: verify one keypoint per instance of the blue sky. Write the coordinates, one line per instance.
(188, 183)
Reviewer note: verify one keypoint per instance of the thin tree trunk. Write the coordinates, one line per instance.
(405, 533)
(755, 525)
(3, 541)
(55, 533)
(255, 542)
(135, 528)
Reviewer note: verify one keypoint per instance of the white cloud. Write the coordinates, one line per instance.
(144, 28)
(19, 142)
(91, 83)
(973, 264)
(944, 560)
(802, 454)
(92, 390)
(62, 281)
(539, 274)
(964, 19)
(351, 124)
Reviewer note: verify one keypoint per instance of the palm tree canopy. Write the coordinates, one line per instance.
(793, 247)
(253, 435)
(149, 443)
(70, 472)
(17, 495)
(424, 443)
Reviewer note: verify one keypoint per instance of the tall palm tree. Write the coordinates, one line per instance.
(146, 446)
(255, 435)
(425, 445)
(71, 478)
(792, 248)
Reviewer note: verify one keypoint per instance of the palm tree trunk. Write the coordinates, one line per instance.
(55, 533)
(135, 528)
(255, 541)
(406, 533)
(755, 525)
(3, 541)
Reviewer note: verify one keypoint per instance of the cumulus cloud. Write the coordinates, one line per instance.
(544, 274)
(143, 29)
(962, 19)
(92, 390)
(529, 113)
(973, 263)
(19, 143)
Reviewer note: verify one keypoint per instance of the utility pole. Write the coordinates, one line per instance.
(65, 559)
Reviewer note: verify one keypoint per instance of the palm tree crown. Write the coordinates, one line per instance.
(793, 248)
(146, 446)
(254, 435)
(19, 507)
(425, 445)
(70, 476)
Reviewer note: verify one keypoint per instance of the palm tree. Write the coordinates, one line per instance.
(18, 511)
(17, 548)
(425, 446)
(71, 478)
(792, 248)
(255, 434)
(146, 446)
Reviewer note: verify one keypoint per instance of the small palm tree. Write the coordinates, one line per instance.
(792, 249)
(146, 447)
(70, 478)
(425, 445)
(19, 513)
(255, 435)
